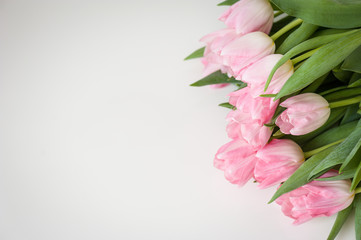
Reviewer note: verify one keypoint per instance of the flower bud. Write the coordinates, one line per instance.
(249, 16)
(305, 113)
(277, 161)
(317, 198)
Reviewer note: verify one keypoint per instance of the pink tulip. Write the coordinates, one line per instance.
(237, 160)
(215, 42)
(249, 16)
(247, 122)
(317, 198)
(259, 109)
(278, 160)
(240, 125)
(257, 74)
(242, 52)
(305, 113)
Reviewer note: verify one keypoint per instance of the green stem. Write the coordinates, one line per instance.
(286, 29)
(358, 190)
(304, 56)
(268, 95)
(320, 149)
(345, 102)
(332, 90)
(276, 14)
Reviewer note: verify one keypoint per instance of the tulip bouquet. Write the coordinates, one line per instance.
(295, 108)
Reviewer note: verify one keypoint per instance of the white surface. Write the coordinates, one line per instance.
(102, 138)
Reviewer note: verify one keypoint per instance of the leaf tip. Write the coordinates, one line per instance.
(274, 197)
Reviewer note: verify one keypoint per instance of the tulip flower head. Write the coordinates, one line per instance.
(259, 109)
(256, 75)
(317, 198)
(249, 16)
(215, 42)
(242, 52)
(277, 161)
(237, 159)
(304, 114)
(253, 132)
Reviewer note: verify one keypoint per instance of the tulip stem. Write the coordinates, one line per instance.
(277, 13)
(320, 149)
(304, 56)
(345, 102)
(286, 28)
(358, 190)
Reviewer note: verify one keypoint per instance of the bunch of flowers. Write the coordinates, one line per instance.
(295, 113)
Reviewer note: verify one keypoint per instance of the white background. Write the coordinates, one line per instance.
(101, 136)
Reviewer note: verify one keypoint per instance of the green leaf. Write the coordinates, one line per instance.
(340, 220)
(305, 46)
(215, 78)
(299, 35)
(315, 85)
(196, 54)
(353, 62)
(227, 3)
(351, 155)
(357, 206)
(340, 153)
(325, 13)
(342, 94)
(335, 116)
(328, 31)
(357, 177)
(344, 175)
(355, 77)
(342, 75)
(321, 62)
(355, 83)
(300, 176)
(227, 105)
(351, 114)
(330, 136)
(275, 8)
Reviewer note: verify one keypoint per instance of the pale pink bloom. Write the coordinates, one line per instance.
(317, 198)
(260, 109)
(247, 121)
(242, 52)
(249, 16)
(215, 42)
(305, 113)
(237, 159)
(257, 74)
(277, 161)
(240, 125)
